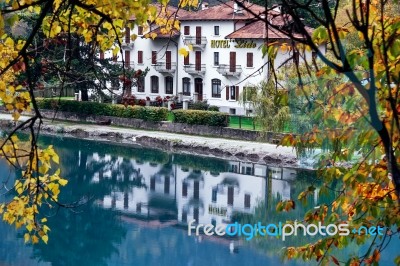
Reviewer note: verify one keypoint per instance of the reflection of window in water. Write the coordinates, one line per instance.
(184, 189)
(214, 194)
(184, 216)
(152, 183)
(234, 169)
(153, 164)
(230, 196)
(247, 200)
(166, 185)
(249, 170)
(184, 169)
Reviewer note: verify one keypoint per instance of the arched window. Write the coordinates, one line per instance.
(169, 85)
(154, 84)
(186, 86)
(216, 88)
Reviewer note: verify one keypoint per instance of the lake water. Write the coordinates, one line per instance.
(140, 200)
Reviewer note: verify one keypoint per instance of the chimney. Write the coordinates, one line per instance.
(204, 6)
(236, 8)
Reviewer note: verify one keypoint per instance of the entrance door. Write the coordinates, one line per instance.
(198, 87)
(198, 35)
(232, 62)
(198, 61)
(168, 60)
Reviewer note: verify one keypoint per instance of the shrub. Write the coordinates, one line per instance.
(198, 117)
(93, 108)
(199, 106)
(213, 108)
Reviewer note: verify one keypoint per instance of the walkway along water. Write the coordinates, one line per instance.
(206, 146)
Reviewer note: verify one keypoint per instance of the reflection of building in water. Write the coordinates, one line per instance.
(174, 192)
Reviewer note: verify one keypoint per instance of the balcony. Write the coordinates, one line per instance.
(194, 69)
(164, 67)
(196, 42)
(228, 70)
(127, 46)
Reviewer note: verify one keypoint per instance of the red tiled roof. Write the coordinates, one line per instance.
(224, 11)
(257, 30)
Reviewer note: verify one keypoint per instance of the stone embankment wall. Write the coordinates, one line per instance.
(221, 132)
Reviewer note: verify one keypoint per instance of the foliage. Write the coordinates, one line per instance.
(198, 117)
(202, 105)
(357, 104)
(154, 114)
(96, 24)
(270, 105)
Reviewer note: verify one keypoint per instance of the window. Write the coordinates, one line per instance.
(169, 85)
(232, 111)
(140, 84)
(154, 57)
(140, 30)
(186, 30)
(216, 58)
(154, 84)
(249, 59)
(186, 86)
(216, 30)
(232, 92)
(216, 88)
(127, 35)
(186, 60)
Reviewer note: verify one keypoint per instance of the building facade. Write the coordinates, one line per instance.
(225, 55)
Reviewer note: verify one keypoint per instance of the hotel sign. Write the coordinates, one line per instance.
(236, 44)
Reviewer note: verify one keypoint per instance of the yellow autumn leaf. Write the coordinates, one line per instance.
(183, 52)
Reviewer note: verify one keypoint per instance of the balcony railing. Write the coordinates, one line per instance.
(165, 67)
(127, 46)
(196, 42)
(195, 69)
(230, 70)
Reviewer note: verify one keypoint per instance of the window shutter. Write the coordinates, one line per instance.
(140, 30)
(186, 60)
(154, 57)
(186, 30)
(127, 35)
(140, 57)
(101, 55)
(236, 93)
(249, 59)
(127, 58)
(227, 92)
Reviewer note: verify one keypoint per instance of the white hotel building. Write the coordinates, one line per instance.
(226, 55)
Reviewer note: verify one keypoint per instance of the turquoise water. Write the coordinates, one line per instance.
(138, 203)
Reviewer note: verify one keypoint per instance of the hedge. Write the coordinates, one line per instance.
(197, 117)
(154, 114)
